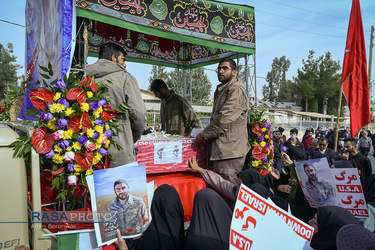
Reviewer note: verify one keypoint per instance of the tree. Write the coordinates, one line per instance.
(317, 85)
(276, 79)
(158, 72)
(201, 85)
(8, 70)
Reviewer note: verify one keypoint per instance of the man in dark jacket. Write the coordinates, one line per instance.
(323, 151)
(124, 89)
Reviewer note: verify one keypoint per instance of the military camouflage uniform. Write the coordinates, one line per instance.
(128, 215)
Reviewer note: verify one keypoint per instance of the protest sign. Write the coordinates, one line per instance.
(317, 183)
(350, 191)
(120, 195)
(248, 216)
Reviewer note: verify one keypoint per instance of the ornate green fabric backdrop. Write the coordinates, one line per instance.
(188, 33)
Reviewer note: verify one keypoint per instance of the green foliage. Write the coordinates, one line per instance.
(278, 88)
(8, 71)
(317, 81)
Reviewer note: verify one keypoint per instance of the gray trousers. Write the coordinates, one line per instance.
(229, 168)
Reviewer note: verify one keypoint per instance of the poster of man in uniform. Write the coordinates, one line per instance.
(317, 183)
(121, 194)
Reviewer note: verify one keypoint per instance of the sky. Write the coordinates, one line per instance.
(288, 28)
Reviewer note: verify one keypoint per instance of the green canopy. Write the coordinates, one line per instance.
(173, 33)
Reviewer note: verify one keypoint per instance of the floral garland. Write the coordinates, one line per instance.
(260, 157)
(75, 125)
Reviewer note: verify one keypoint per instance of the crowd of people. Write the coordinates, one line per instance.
(227, 131)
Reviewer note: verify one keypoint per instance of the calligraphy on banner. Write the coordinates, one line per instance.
(240, 30)
(350, 191)
(132, 6)
(250, 211)
(190, 17)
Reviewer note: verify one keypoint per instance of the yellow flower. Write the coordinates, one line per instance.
(69, 111)
(76, 146)
(78, 169)
(266, 136)
(260, 162)
(90, 132)
(255, 143)
(57, 108)
(57, 149)
(99, 140)
(57, 96)
(67, 134)
(98, 145)
(89, 94)
(58, 159)
(85, 107)
(264, 129)
(97, 112)
(269, 164)
(92, 123)
(99, 129)
(271, 142)
(51, 124)
(262, 144)
(69, 148)
(255, 163)
(107, 144)
(89, 172)
(269, 169)
(106, 126)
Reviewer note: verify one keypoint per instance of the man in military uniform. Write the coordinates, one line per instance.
(129, 212)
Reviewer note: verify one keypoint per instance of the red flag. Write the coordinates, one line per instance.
(354, 72)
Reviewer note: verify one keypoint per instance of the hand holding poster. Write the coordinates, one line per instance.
(247, 229)
(317, 183)
(120, 195)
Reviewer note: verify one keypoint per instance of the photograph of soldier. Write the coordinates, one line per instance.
(120, 194)
(129, 211)
(317, 182)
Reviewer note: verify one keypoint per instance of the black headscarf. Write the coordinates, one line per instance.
(369, 190)
(166, 231)
(210, 224)
(355, 237)
(259, 189)
(251, 176)
(330, 220)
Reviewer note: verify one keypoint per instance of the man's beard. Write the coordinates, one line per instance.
(122, 196)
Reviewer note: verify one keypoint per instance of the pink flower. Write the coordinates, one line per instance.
(69, 156)
(105, 138)
(90, 146)
(72, 180)
(57, 135)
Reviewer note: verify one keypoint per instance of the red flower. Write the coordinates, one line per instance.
(259, 152)
(90, 83)
(271, 154)
(80, 191)
(42, 142)
(40, 97)
(256, 129)
(107, 162)
(76, 93)
(2, 107)
(84, 160)
(58, 171)
(108, 113)
(79, 120)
